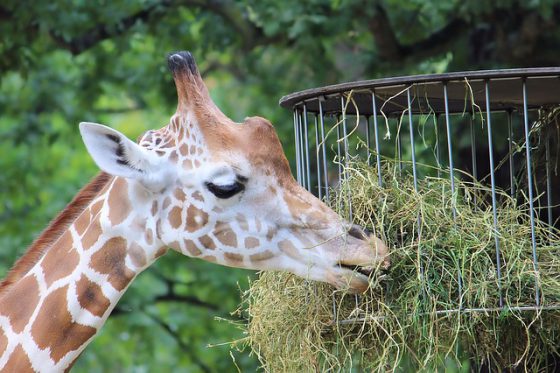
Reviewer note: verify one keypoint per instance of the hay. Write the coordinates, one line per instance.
(409, 318)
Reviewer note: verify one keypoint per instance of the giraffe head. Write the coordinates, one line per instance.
(223, 192)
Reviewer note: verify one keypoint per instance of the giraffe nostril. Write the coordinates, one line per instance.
(358, 232)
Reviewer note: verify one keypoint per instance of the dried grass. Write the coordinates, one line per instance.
(424, 312)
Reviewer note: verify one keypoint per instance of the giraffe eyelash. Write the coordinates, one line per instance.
(226, 191)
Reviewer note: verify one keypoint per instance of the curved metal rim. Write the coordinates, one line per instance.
(292, 99)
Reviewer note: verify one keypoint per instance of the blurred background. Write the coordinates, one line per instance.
(66, 61)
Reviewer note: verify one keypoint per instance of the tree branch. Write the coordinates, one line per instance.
(189, 299)
(437, 41)
(97, 34)
(390, 49)
(5, 14)
(388, 46)
(250, 35)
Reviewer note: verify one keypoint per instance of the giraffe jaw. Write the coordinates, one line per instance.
(354, 270)
(364, 270)
(347, 279)
(354, 278)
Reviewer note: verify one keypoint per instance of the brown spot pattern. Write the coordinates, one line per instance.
(271, 233)
(207, 242)
(82, 222)
(110, 260)
(60, 260)
(53, 328)
(184, 150)
(233, 259)
(25, 291)
(118, 201)
(3, 342)
(192, 248)
(242, 221)
(18, 362)
(179, 194)
(166, 203)
(154, 208)
(251, 242)
(225, 235)
(91, 298)
(175, 218)
(96, 207)
(287, 247)
(196, 195)
(137, 255)
(187, 163)
(158, 228)
(296, 204)
(92, 235)
(194, 224)
(209, 258)
(149, 236)
(161, 251)
(261, 256)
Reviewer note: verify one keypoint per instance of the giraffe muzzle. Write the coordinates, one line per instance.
(362, 257)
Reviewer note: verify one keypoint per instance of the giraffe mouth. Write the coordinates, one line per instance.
(363, 270)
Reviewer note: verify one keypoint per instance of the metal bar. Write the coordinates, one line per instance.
(548, 181)
(530, 190)
(412, 148)
(473, 148)
(306, 138)
(296, 131)
(318, 158)
(301, 148)
(473, 153)
(346, 156)
(452, 180)
(399, 148)
(459, 76)
(338, 150)
(368, 142)
(510, 154)
(438, 151)
(449, 146)
(344, 132)
(324, 148)
(493, 188)
(376, 134)
(456, 310)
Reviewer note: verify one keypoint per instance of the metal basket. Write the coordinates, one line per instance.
(330, 121)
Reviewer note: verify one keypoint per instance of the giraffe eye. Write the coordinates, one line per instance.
(225, 191)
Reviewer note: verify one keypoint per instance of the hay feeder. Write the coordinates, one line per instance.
(458, 174)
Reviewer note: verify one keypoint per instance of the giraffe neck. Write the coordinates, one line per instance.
(53, 311)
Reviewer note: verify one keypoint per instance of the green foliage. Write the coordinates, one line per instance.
(65, 61)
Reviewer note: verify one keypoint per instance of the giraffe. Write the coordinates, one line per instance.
(202, 185)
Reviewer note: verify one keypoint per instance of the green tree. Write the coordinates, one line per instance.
(66, 61)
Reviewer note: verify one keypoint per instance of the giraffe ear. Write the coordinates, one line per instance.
(117, 155)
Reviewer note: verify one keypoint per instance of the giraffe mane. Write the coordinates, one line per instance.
(55, 229)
